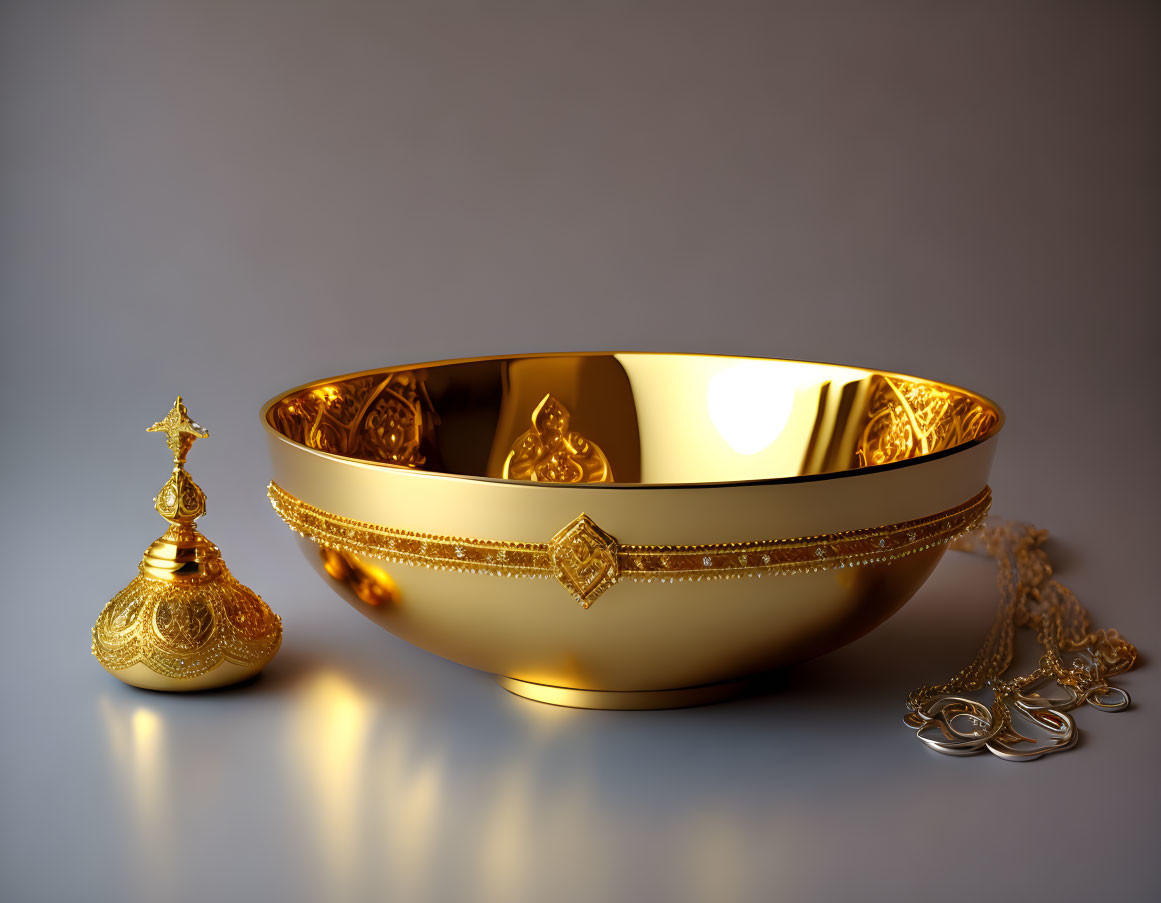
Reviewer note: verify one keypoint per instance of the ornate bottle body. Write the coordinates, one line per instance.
(184, 622)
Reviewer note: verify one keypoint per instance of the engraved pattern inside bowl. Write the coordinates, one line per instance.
(580, 418)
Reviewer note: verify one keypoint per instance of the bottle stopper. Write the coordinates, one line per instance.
(184, 622)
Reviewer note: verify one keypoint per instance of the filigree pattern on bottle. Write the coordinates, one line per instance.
(184, 637)
(183, 615)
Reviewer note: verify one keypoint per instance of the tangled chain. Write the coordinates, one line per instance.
(1076, 659)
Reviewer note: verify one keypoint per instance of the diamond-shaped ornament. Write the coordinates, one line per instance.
(584, 559)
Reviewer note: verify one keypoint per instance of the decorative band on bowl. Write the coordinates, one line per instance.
(587, 561)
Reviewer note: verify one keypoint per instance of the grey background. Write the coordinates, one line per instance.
(227, 199)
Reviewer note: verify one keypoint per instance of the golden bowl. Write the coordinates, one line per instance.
(628, 530)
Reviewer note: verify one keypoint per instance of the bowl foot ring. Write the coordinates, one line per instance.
(682, 697)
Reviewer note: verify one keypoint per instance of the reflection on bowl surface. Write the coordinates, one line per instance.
(469, 506)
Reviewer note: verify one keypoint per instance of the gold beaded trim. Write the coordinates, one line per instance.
(634, 562)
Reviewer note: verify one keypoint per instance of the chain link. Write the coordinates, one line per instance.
(1076, 658)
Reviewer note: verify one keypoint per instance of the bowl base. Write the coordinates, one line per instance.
(681, 697)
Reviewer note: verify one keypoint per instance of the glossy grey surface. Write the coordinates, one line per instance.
(228, 199)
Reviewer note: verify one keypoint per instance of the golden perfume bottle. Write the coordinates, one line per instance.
(184, 622)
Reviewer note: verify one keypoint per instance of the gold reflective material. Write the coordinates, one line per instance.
(375, 418)
(587, 561)
(550, 452)
(909, 418)
(625, 700)
(180, 500)
(370, 584)
(184, 622)
(647, 479)
(584, 560)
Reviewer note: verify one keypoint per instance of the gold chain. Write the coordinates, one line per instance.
(952, 723)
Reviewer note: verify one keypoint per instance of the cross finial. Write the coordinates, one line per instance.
(180, 431)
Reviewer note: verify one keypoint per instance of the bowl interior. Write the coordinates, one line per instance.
(633, 418)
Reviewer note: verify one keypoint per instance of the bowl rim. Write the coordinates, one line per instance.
(991, 433)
